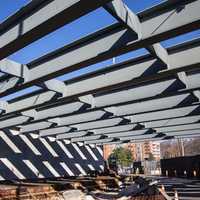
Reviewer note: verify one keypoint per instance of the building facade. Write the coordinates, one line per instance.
(139, 151)
(151, 149)
(143, 151)
(107, 150)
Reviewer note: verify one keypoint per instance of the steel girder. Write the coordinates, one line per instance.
(123, 14)
(121, 140)
(183, 133)
(172, 122)
(110, 112)
(113, 104)
(186, 136)
(38, 99)
(177, 130)
(189, 122)
(172, 116)
(183, 127)
(189, 129)
(130, 136)
(116, 111)
(130, 141)
(39, 18)
(68, 108)
(133, 72)
(125, 130)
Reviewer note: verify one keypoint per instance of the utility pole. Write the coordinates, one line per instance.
(181, 147)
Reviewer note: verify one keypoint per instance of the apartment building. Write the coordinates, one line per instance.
(140, 151)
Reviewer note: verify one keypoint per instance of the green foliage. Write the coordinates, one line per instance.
(121, 156)
(151, 157)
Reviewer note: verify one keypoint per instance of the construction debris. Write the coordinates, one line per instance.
(41, 192)
(73, 195)
(84, 188)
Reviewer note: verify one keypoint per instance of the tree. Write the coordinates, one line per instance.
(151, 157)
(192, 146)
(172, 148)
(121, 156)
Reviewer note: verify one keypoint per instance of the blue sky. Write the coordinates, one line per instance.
(77, 29)
(73, 31)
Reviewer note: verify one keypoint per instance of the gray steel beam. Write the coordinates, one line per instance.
(74, 119)
(191, 136)
(41, 125)
(118, 111)
(140, 92)
(146, 140)
(165, 114)
(135, 108)
(85, 117)
(130, 141)
(110, 99)
(99, 123)
(123, 14)
(125, 130)
(116, 40)
(163, 103)
(39, 18)
(64, 121)
(172, 122)
(38, 115)
(58, 130)
(55, 85)
(160, 52)
(138, 137)
(197, 93)
(116, 133)
(92, 140)
(70, 135)
(14, 69)
(183, 127)
(132, 71)
(3, 106)
(117, 128)
(151, 105)
(99, 141)
(177, 112)
(183, 132)
(14, 121)
(189, 83)
(172, 117)
(128, 18)
(86, 138)
(59, 110)
(111, 142)
(32, 114)
(114, 141)
(98, 101)
(136, 70)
